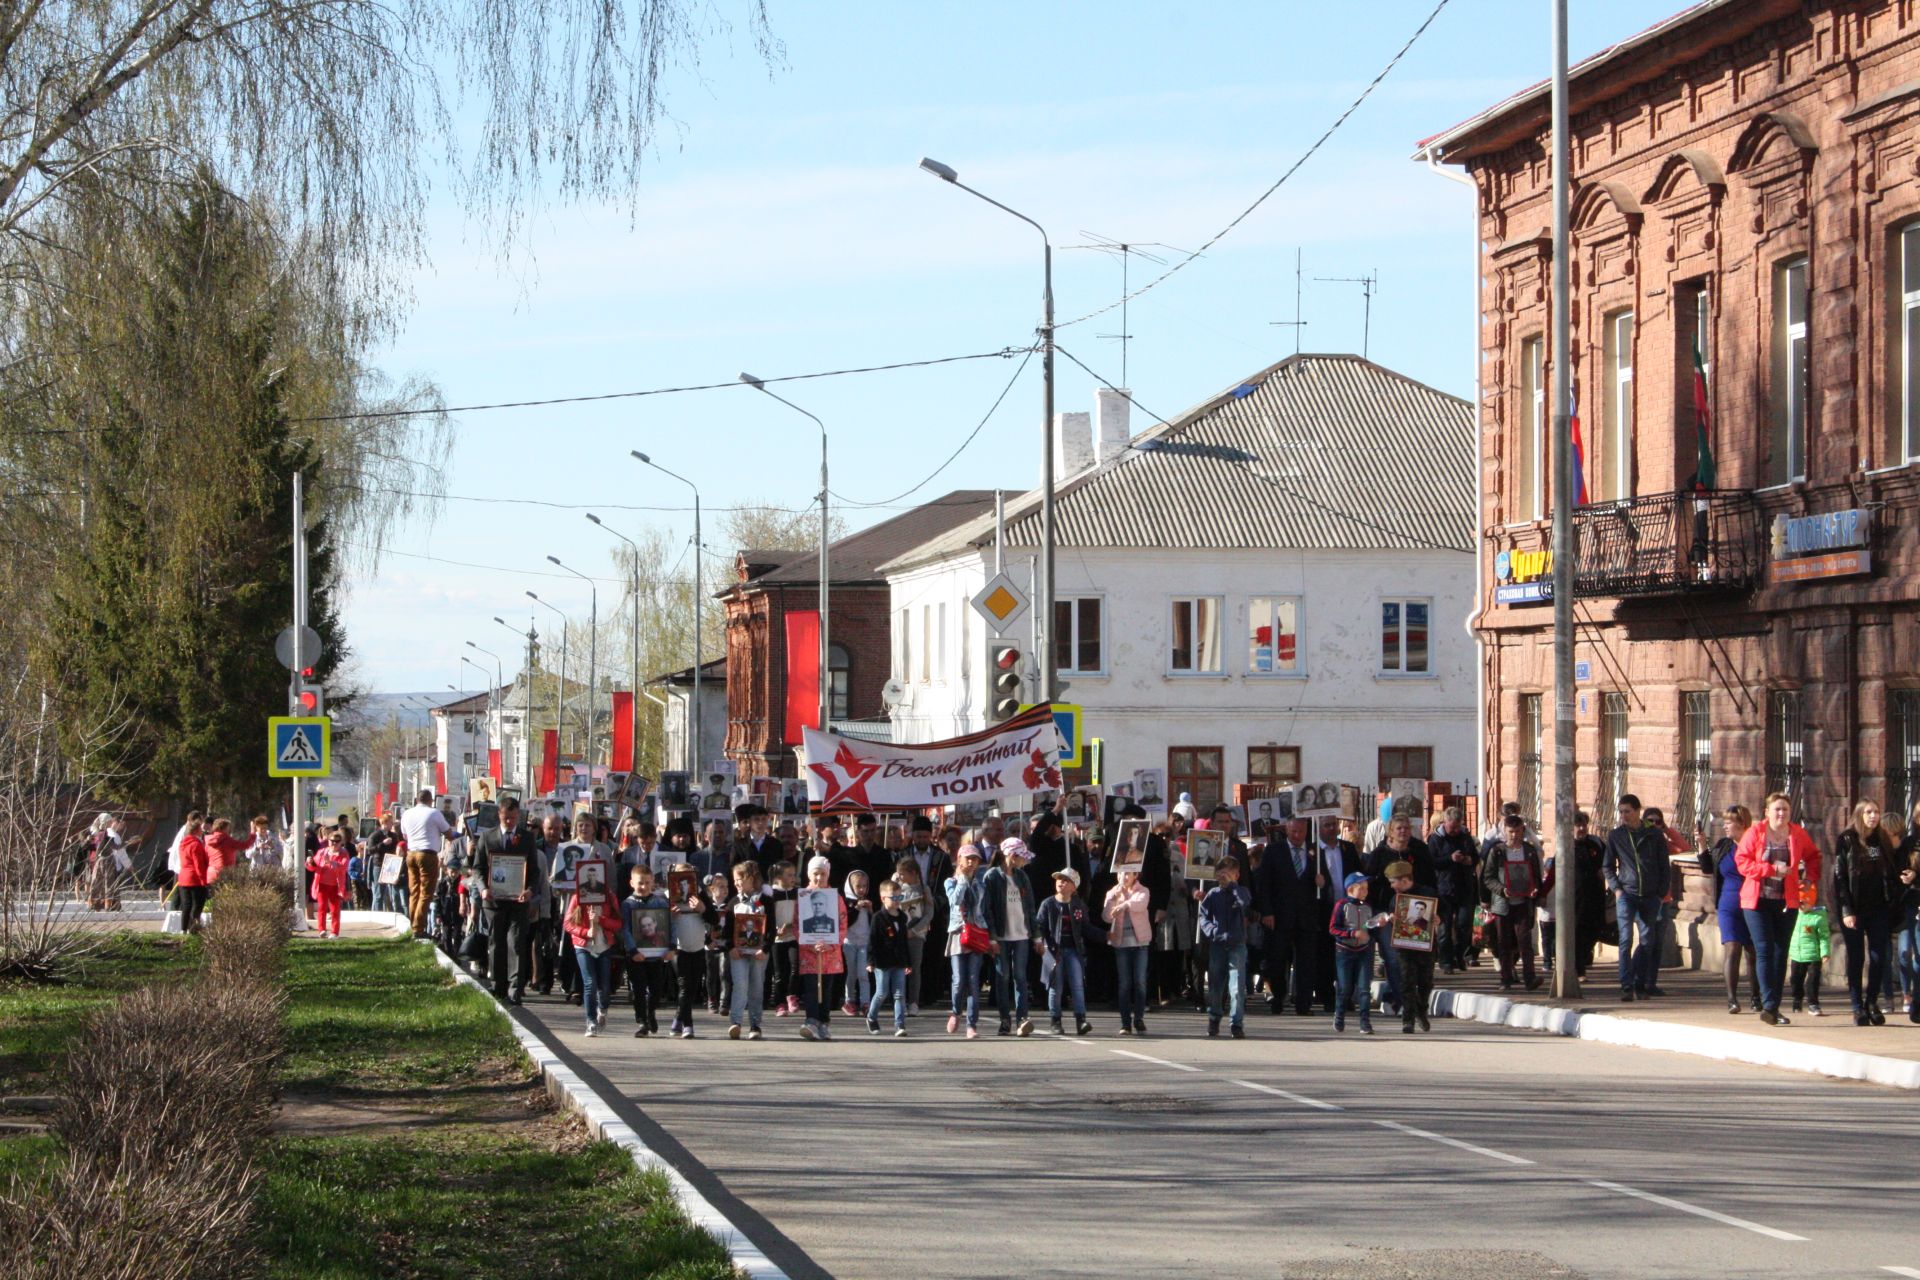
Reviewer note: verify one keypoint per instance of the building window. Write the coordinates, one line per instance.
(1613, 753)
(940, 643)
(1787, 458)
(1533, 430)
(1528, 791)
(903, 646)
(1271, 768)
(839, 682)
(466, 757)
(1076, 635)
(1403, 637)
(1273, 635)
(1405, 762)
(1693, 804)
(1616, 471)
(466, 726)
(1194, 646)
(1196, 771)
(1904, 440)
(1905, 765)
(926, 644)
(1786, 746)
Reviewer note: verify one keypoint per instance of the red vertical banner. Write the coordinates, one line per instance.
(549, 761)
(379, 804)
(440, 776)
(493, 764)
(622, 733)
(803, 674)
(393, 793)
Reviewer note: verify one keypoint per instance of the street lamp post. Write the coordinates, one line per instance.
(759, 385)
(593, 648)
(499, 683)
(526, 767)
(486, 742)
(633, 643)
(1048, 672)
(560, 686)
(699, 602)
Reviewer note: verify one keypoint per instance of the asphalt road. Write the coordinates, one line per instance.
(1470, 1152)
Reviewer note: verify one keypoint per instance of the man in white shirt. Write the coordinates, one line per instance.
(424, 828)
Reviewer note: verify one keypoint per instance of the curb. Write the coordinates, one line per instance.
(1670, 1037)
(569, 1089)
(393, 920)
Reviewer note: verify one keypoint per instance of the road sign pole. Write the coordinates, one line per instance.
(292, 856)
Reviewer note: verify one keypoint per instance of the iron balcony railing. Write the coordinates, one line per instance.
(1669, 544)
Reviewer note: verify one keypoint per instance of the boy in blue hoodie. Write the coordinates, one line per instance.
(1223, 923)
(1352, 928)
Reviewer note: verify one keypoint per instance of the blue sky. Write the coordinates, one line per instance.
(783, 227)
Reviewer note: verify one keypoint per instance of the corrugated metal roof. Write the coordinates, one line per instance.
(1318, 451)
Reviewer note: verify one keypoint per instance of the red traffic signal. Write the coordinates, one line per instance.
(1004, 696)
(309, 702)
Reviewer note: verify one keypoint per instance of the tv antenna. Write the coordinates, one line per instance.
(1126, 251)
(1368, 283)
(1296, 324)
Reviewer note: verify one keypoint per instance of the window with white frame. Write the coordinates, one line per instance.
(1787, 456)
(1194, 640)
(1904, 439)
(926, 644)
(903, 646)
(1273, 635)
(1077, 635)
(1528, 499)
(940, 642)
(1403, 637)
(1616, 470)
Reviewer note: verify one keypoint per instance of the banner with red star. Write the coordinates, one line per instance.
(1018, 756)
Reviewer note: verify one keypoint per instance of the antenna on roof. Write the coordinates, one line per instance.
(1125, 251)
(1368, 283)
(1296, 324)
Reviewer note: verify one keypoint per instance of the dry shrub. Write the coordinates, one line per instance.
(245, 873)
(245, 941)
(172, 1078)
(82, 1222)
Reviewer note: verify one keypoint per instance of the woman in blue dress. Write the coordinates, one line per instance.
(1735, 942)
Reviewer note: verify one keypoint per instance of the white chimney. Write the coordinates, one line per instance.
(1072, 443)
(1112, 431)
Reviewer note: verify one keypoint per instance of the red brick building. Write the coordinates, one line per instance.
(770, 585)
(1747, 182)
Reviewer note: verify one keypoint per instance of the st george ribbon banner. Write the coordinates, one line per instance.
(1015, 757)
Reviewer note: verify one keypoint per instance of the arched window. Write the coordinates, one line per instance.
(839, 682)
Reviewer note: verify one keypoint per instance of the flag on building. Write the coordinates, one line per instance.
(622, 732)
(1579, 457)
(803, 674)
(1704, 472)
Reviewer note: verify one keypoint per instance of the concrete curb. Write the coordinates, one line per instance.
(567, 1088)
(1671, 1037)
(393, 920)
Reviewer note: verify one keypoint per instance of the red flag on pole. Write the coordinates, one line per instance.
(379, 804)
(803, 674)
(393, 793)
(440, 776)
(493, 764)
(549, 761)
(622, 732)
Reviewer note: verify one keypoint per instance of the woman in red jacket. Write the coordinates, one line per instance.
(191, 883)
(329, 867)
(222, 849)
(595, 930)
(1780, 865)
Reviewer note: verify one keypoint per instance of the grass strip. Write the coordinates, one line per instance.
(37, 1019)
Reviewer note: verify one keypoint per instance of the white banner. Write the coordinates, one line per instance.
(1014, 757)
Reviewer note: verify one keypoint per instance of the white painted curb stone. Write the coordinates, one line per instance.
(603, 1122)
(1671, 1037)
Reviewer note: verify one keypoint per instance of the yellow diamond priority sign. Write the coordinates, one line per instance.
(1001, 603)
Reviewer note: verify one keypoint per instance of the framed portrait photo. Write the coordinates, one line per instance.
(818, 914)
(749, 929)
(1414, 920)
(391, 867)
(652, 931)
(1205, 848)
(590, 879)
(1130, 845)
(506, 876)
(682, 885)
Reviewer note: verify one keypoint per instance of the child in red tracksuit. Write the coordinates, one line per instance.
(329, 867)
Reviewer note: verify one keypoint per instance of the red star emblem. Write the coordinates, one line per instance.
(854, 788)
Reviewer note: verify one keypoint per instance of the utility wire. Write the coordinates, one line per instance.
(1005, 353)
(1348, 516)
(1279, 182)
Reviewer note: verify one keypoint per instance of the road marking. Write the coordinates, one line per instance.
(1904, 1271)
(1158, 1062)
(1731, 1221)
(1315, 1103)
(1488, 1152)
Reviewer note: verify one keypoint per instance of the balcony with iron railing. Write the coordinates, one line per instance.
(1667, 544)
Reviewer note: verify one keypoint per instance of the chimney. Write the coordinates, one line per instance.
(1072, 443)
(1112, 431)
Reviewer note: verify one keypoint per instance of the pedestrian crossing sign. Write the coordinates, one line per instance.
(299, 746)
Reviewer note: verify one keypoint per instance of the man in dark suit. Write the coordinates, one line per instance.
(1288, 894)
(759, 844)
(509, 916)
(1338, 859)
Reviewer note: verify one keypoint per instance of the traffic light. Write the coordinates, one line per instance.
(1006, 694)
(310, 700)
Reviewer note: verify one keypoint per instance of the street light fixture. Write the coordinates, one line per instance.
(593, 649)
(531, 637)
(1048, 671)
(695, 740)
(760, 385)
(633, 760)
(560, 686)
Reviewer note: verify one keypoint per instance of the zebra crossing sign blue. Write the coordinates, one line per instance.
(299, 746)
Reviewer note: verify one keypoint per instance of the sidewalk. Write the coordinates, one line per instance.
(1692, 1018)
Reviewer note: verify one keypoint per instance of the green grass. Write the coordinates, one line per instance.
(368, 1014)
(460, 1202)
(37, 1019)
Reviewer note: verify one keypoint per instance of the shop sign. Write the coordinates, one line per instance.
(1523, 577)
(1832, 545)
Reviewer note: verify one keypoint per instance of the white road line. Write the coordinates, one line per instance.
(1158, 1062)
(1315, 1103)
(1488, 1152)
(1731, 1221)
(1904, 1271)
